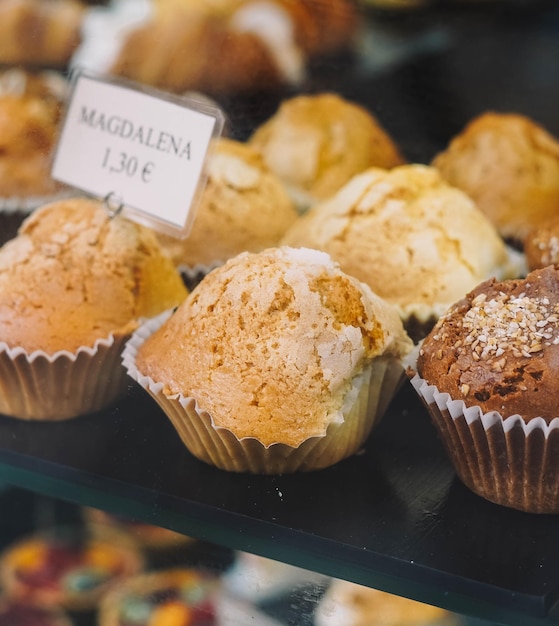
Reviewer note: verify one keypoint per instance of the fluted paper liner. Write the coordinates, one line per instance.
(39, 386)
(219, 446)
(509, 461)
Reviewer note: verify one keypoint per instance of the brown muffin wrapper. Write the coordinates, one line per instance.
(39, 386)
(508, 461)
(220, 447)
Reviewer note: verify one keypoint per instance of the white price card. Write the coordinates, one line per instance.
(142, 148)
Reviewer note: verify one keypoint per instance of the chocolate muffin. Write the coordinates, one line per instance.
(489, 370)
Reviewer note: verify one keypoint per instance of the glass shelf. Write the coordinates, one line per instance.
(393, 517)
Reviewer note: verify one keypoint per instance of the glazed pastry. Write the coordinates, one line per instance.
(65, 568)
(167, 597)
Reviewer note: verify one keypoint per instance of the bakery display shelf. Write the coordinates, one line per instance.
(393, 517)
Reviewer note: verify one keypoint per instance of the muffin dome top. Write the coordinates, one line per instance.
(270, 344)
(73, 275)
(498, 348)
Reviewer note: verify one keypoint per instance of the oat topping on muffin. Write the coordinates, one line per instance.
(499, 346)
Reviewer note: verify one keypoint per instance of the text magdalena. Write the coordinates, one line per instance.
(126, 129)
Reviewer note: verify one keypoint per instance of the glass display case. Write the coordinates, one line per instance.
(393, 517)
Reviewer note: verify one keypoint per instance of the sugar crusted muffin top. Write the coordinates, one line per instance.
(499, 347)
(73, 275)
(270, 344)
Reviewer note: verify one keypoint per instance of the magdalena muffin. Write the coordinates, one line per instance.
(317, 143)
(74, 284)
(417, 242)
(66, 568)
(30, 113)
(509, 165)
(36, 33)
(487, 373)
(243, 207)
(276, 362)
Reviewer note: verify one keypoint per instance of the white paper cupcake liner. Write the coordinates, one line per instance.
(218, 446)
(509, 461)
(39, 386)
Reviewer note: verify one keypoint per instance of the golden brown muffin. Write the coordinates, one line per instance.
(279, 348)
(417, 242)
(496, 351)
(316, 143)
(73, 285)
(541, 245)
(348, 604)
(243, 207)
(73, 275)
(30, 112)
(40, 33)
(509, 166)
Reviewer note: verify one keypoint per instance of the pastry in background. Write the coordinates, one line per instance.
(541, 245)
(316, 143)
(276, 362)
(509, 165)
(215, 47)
(243, 207)
(65, 568)
(488, 374)
(259, 579)
(40, 33)
(166, 597)
(21, 613)
(416, 241)
(31, 106)
(148, 536)
(348, 604)
(74, 284)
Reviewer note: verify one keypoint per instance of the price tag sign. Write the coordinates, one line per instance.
(143, 147)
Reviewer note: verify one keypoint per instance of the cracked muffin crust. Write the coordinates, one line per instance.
(73, 275)
(243, 207)
(416, 241)
(509, 165)
(276, 348)
(316, 143)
